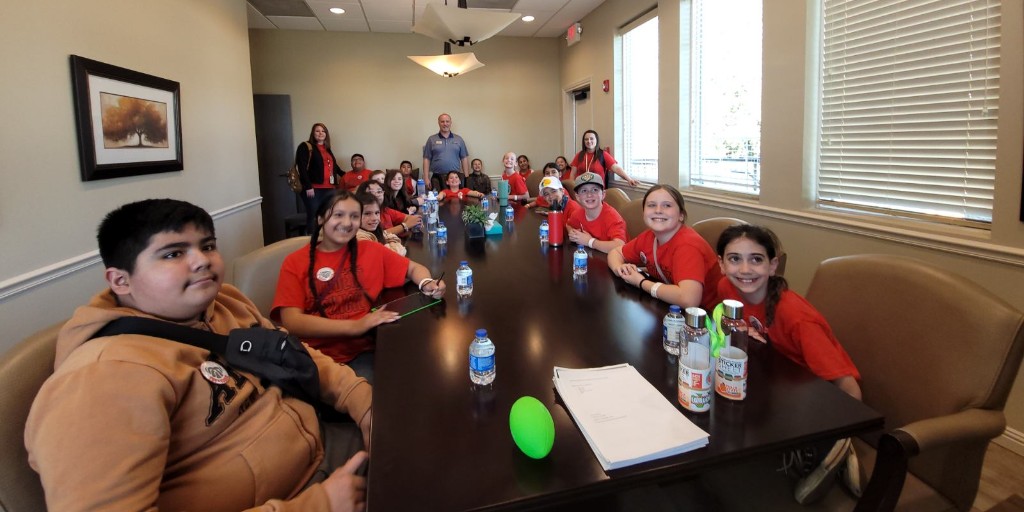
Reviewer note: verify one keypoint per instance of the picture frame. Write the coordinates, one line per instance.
(128, 123)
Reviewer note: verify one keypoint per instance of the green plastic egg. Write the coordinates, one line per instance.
(532, 428)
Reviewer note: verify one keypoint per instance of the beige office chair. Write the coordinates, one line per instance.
(255, 274)
(616, 197)
(711, 229)
(938, 355)
(22, 372)
(633, 213)
(568, 186)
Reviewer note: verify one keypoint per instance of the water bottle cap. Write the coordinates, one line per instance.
(733, 308)
(675, 309)
(481, 333)
(420, 181)
(463, 263)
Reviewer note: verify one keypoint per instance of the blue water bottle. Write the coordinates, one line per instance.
(442, 234)
(509, 213)
(421, 188)
(579, 261)
(543, 231)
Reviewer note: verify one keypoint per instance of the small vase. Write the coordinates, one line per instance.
(474, 230)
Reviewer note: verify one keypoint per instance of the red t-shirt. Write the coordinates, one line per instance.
(457, 194)
(390, 217)
(410, 187)
(353, 179)
(687, 256)
(799, 332)
(342, 299)
(328, 161)
(608, 225)
(516, 184)
(584, 162)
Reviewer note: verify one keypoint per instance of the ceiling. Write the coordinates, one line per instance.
(553, 17)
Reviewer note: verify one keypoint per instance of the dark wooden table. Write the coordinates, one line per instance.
(439, 443)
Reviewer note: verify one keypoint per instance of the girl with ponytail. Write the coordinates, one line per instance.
(325, 291)
(748, 257)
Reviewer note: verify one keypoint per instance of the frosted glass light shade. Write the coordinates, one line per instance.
(461, 26)
(448, 65)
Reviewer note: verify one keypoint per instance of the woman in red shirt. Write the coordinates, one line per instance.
(596, 160)
(318, 171)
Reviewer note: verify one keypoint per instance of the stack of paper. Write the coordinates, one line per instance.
(623, 417)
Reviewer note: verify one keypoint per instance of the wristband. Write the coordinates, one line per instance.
(591, 242)
(654, 290)
(641, 284)
(423, 281)
(404, 228)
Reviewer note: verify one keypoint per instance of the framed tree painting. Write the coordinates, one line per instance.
(129, 123)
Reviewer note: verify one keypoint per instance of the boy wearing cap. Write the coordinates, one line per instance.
(549, 170)
(551, 190)
(596, 225)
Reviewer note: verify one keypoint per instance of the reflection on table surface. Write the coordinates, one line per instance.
(439, 443)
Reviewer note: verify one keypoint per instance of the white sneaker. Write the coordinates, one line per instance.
(814, 486)
(852, 478)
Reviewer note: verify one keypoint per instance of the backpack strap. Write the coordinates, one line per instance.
(160, 329)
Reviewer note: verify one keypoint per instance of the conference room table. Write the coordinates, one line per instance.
(441, 443)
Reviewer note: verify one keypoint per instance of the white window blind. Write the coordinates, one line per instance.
(726, 117)
(639, 156)
(909, 98)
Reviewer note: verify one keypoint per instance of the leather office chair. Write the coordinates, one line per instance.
(633, 213)
(22, 372)
(938, 355)
(616, 197)
(568, 186)
(711, 229)
(533, 182)
(255, 273)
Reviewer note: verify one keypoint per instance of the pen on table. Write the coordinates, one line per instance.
(438, 280)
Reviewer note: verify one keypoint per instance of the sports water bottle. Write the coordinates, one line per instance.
(464, 279)
(672, 330)
(485, 203)
(481, 359)
(543, 231)
(695, 370)
(509, 213)
(731, 367)
(579, 261)
(442, 234)
(421, 188)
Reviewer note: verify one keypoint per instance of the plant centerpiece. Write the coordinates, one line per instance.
(474, 217)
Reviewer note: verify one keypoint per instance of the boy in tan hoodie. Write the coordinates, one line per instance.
(133, 422)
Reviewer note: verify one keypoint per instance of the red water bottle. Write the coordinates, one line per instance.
(556, 228)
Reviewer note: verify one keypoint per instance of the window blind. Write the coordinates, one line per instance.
(639, 156)
(909, 98)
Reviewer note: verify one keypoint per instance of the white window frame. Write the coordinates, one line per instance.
(644, 166)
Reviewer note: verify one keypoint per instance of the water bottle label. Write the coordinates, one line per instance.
(481, 364)
(580, 260)
(464, 279)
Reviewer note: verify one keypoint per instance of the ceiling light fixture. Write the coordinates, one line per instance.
(337, 10)
(528, 18)
(448, 65)
(461, 26)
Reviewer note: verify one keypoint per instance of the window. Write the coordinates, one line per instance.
(908, 105)
(726, 96)
(640, 99)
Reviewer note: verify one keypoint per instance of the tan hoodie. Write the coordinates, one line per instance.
(130, 422)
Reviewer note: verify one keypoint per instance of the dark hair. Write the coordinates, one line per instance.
(765, 238)
(473, 161)
(366, 199)
(354, 155)
(598, 152)
(678, 197)
(457, 173)
(396, 199)
(405, 162)
(364, 187)
(550, 165)
(563, 159)
(312, 135)
(522, 156)
(333, 198)
(125, 232)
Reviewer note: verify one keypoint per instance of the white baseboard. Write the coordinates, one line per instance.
(1012, 440)
(38, 277)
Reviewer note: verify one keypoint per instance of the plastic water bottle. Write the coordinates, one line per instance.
(509, 213)
(485, 204)
(421, 188)
(696, 371)
(431, 214)
(481, 359)
(543, 231)
(442, 234)
(672, 329)
(464, 279)
(579, 261)
(494, 196)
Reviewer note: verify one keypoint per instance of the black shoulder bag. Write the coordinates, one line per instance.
(277, 358)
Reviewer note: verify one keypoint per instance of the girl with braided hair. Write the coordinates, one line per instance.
(325, 291)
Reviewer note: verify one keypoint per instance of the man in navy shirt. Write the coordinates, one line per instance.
(444, 152)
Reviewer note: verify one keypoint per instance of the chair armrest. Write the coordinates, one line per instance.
(895, 449)
(967, 425)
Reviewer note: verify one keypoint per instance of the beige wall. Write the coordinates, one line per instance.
(48, 216)
(377, 102)
(993, 258)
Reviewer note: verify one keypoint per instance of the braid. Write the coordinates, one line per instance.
(312, 279)
(776, 285)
